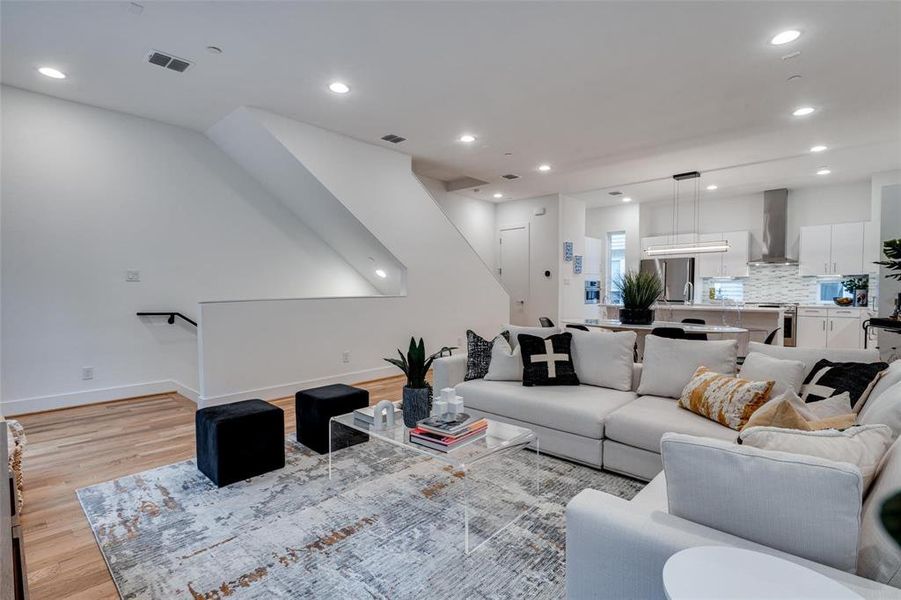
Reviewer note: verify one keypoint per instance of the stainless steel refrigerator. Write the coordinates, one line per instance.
(675, 273)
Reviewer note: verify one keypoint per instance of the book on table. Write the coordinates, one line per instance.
(425, 435)
(451, 424)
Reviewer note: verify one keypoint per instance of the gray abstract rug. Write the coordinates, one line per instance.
(389, 525)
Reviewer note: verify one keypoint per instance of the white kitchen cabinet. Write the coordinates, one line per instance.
(829, 327)
(872, 247)
(815, 256)
(843, 332)
(732, 263)
(832, 249)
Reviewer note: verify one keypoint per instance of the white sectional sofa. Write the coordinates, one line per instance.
(601, 427)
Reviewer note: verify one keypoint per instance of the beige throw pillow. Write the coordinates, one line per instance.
(788, 411)
(863, 445)
(728, 400)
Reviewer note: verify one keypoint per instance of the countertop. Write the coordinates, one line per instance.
(710, 308)
(689, 328)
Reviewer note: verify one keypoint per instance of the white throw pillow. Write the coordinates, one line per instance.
(884, 409)
(833, 406)
(886, 379)
(669, 365)
(506, 363)
(799, 504)
(788, 374)
(516, 330)
(604, 360)
(861, 445)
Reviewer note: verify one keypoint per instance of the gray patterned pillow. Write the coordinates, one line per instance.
(478, 354)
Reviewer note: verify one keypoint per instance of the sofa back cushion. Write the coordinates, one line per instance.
(516, 330)
(810, 356)
(803, 505)
(604, 359)
(668, 365)
(884, 409)
(788, 374)
(887, 379)
(880, 556)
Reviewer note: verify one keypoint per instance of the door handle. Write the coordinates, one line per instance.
(831, 323)
(826, 268)
(520, 301)
(834, 267)
(824, 325)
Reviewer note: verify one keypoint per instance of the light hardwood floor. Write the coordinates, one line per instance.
(78, 447)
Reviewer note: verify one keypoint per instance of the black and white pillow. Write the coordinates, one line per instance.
(478, 354)
(828, 379)
(547, 361)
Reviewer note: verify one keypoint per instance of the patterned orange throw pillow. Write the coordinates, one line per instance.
(728, 400)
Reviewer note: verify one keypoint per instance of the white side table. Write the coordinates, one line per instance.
(719, 572)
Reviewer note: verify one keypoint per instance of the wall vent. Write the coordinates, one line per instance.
(167, 61)
(394, 139)
(616, 193)
(510, 176)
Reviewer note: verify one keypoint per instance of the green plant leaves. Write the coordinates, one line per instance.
(892, 251)
(640, 289)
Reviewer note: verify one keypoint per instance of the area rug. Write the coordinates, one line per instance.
(389, 525)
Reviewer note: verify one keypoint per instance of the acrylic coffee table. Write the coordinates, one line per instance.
(500, 440)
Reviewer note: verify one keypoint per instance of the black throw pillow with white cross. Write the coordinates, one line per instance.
(547, 361)
(828, 379)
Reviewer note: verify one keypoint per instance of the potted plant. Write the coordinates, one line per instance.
(857, 287)
(417, 402)
(892, 251)
(640, 291)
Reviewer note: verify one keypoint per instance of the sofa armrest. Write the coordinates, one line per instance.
(615, 549)
(448, 371)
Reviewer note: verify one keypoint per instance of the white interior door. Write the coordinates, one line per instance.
(513, 266)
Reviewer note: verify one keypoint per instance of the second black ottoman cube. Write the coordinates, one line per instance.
(240, 440)
(314, 408)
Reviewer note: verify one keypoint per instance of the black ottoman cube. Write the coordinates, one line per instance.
(314, 408)
(239, 440)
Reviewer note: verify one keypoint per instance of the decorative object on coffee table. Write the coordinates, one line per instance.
(240, 440)
(417, 393)
(314, 408)
(640, 291)
(383, 416)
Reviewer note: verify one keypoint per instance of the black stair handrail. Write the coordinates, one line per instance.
(170, 314)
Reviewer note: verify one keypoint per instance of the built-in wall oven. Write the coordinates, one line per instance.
(789, 321)
(592, 291)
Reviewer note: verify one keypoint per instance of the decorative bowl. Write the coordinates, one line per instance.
(843, 301)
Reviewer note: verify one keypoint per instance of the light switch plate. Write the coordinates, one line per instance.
(132, 276)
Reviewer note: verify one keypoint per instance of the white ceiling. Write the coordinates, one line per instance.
(609, 93)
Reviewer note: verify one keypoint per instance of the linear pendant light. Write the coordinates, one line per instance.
(692, 247)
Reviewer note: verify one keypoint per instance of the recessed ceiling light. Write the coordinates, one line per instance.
(544, 168)
(803, 111)
(819, 148)
(712, 187)
(51, 73)
(498, 195)
(381, 273)
(214, 49)
(467, 138)
(627, 199)
(785, 37)
(823, 171)
(339, 87)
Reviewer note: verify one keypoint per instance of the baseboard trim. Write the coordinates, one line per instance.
(289, 389)
(95, 396)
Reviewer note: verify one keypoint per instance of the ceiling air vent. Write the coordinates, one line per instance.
(167, 61)
(616, 193)
(510, 176)
(394, 139)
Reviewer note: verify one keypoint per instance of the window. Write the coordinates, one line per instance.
(832, 289)
(616, 264)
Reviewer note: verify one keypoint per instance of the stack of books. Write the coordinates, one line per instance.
(448, 432)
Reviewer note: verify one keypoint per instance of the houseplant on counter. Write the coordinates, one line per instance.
(640, 290)
(417, 402)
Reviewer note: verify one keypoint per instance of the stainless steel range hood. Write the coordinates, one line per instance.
(775, 221)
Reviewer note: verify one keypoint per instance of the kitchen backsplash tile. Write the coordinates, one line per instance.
(776, 283)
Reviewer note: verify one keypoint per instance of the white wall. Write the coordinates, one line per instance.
(89, 193)
(623, 217)
(473, 217)
(544, 250)
(571, 286)
(270, 349)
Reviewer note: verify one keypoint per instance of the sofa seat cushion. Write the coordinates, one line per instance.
(643, 422)
(580, 409)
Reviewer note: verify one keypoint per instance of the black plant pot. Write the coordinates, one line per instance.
(417, 404)
(636, 316)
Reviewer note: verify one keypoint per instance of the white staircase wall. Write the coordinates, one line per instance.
(273, 348)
